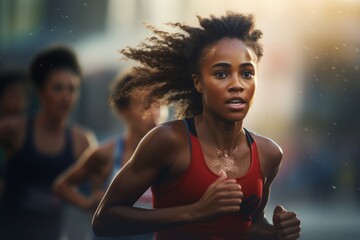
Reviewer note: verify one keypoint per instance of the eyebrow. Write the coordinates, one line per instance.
(222, 64)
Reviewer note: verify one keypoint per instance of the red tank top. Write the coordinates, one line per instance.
(190, 187)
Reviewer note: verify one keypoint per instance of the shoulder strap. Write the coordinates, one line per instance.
(190, 123)
(249, 138)
(118, 153)
(254, 153)
(190, 129)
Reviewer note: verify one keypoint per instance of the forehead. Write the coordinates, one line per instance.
(228, 49)
(63, 75)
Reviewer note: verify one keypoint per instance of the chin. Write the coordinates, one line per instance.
(62, 114)
(235, 117)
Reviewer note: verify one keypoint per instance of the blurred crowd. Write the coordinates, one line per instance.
(47, 158)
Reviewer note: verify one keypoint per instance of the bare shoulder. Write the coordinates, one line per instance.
(163, 154)
(270, 154)
(84, 135)
(83, 138)
(168, 132)
(13, 123)
(163, 142)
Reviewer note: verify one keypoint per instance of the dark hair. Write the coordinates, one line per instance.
(120, 99)
(52, 59)
(9, 78)
(168, 60)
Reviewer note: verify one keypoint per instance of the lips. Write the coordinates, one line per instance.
(236, 103)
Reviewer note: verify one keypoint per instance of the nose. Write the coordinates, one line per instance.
(67, 95)
(235, 84)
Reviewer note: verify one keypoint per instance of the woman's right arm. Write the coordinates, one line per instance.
(90, 166)
(154, 158)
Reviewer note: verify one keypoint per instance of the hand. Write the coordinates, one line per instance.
(221, 197)
(286, 224)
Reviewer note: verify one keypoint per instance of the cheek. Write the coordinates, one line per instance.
(251, 93)
(51, 98)
(213, 92)
(253, 89)
(75, 96)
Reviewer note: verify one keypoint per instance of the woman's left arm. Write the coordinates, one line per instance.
(285, 225)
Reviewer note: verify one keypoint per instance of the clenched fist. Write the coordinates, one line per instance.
(286, 224)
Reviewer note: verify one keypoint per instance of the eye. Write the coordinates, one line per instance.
(221, 75)
(248, 75)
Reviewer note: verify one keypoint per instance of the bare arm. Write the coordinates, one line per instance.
(90, 165)
(152, 159)
(285, 224)
(261, 228)
(83, 140)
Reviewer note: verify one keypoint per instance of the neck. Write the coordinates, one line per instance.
(50, 122)
(224, 135)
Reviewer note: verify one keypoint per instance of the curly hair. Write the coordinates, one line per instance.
(120, 99)
(168, 60)
(50, 60)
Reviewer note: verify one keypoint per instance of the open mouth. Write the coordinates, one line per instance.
(236, 103)
(235, 100)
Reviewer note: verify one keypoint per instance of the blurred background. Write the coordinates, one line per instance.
(308, 84)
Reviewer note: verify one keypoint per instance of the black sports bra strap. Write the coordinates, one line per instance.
(248, 137)
(191, 126)
(186, 122)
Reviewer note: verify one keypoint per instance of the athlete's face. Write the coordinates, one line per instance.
(60, 92)
(227, 79)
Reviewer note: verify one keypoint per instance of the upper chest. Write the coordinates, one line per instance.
(235, 163)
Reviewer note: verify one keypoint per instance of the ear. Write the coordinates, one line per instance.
(197, 82)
